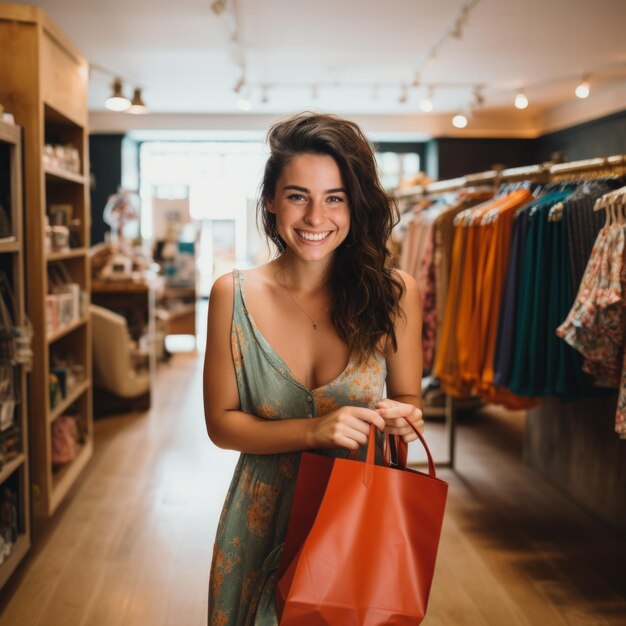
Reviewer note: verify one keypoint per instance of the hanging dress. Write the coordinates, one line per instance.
(253, 523)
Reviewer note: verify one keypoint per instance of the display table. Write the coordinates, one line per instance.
(178, 306)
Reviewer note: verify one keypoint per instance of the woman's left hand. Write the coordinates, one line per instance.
(399, 417)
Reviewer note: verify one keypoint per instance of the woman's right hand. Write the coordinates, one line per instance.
(347, 427)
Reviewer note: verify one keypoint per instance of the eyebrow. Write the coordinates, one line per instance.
(305, 190)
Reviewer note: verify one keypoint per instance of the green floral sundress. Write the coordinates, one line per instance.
(253, 523)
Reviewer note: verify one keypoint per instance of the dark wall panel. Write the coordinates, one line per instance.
(105, 156)
(457, 157)
(598, 138)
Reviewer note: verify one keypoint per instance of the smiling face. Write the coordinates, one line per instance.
(311, 206)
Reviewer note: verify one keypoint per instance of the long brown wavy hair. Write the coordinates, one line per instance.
(365, 294)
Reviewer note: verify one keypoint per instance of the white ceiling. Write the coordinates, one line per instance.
(180, 52)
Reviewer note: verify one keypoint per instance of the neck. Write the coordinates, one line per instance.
(306, 277)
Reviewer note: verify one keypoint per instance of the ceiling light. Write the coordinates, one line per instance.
(582, 91)
(416, 80)
(244, 104)
(521, 101)
(117, 101)
(404, 95)
(137, 106)
(459, 120)
(218, 6)
(426, 103)
(264, 97)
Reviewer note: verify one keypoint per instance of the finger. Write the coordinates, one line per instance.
(401, 410)
(369, 415)
(405, 430)
(409, 438)
(346, 442)
(357, 425)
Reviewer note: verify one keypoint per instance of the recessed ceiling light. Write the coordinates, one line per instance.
(582, 90)
(459, 121)
(426, 104)
(244, 104)
(521, 101)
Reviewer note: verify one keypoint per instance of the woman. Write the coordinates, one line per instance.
(299, 349)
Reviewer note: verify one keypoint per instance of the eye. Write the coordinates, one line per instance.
(335, 199)
(296, 197)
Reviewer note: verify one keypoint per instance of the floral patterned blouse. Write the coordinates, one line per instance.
(596, 324)
(253, 523)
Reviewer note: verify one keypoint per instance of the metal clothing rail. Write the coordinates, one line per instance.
(541, 173)
(544, 172)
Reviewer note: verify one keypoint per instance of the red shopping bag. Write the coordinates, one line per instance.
(361, 543)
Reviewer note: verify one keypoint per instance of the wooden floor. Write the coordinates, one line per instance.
(132, 544)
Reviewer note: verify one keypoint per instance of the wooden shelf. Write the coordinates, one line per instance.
(21, 547)
(9, 133)
(64, 175)
(63, 480)
(73, 395)
(46, 81)
(10, 247)
(66, 330)
(15, 473)
(74, 253)
(11, 466)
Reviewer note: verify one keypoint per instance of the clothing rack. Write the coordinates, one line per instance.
(539, 173)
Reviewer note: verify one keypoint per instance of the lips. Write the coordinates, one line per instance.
(312, 236)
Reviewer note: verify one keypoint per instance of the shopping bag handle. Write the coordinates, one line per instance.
(401, 449)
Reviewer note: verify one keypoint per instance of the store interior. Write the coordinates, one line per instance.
(131, 153)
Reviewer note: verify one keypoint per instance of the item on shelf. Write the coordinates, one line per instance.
(65, 436)
(7, 397)
(8, 522)
(121, 209)
(61, 214)
(10, 444)
(119, 268)
(52, 314)
(61, 374)
(55, 391)
(70, 295)
(75, 227)
(15, 339)
(60, 238)
(62, 157)
(47, 242)
(68, 375)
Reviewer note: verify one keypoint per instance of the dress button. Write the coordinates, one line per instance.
(309, 398)
(309, 415)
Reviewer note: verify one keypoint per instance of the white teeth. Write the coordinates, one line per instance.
(311, 236)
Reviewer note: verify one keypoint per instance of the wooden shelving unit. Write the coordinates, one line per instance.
(43, 82)
(14, 473)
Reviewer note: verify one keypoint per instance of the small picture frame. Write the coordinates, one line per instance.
(61, 214)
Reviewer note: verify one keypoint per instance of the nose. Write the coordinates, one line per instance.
(315, 213)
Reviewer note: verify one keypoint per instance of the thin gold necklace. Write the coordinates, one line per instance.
(315, 324)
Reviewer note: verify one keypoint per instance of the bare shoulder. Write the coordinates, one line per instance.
(410, 303)
(222, 290)
(405, 278)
